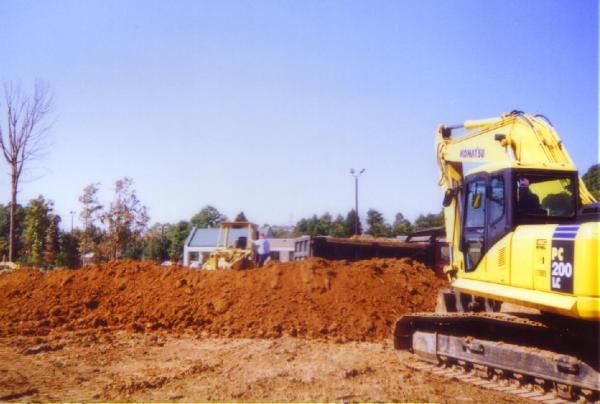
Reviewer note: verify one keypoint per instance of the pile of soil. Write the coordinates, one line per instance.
(314, 298)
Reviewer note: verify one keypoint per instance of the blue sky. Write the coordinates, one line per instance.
(264, 106)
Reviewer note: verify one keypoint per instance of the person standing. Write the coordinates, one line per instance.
(263, 249)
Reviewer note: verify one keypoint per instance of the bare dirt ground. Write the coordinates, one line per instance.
(140, 367)
(311, 330)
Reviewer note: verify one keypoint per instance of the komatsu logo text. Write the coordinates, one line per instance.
(472, 153)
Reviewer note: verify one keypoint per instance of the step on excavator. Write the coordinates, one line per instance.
(523, 232)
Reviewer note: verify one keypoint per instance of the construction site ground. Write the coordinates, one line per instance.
(311, 330)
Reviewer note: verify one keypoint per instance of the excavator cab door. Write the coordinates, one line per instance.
(498, 208)
(474, 223)
(487, 214)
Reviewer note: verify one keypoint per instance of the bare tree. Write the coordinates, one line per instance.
(126, 219)
(23, 138)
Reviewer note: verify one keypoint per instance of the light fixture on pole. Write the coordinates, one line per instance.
(356, 175)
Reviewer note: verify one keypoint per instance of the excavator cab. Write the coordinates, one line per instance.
(521, 240)
(499, 200)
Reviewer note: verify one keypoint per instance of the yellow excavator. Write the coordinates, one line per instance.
(523, 229)
(234, 251)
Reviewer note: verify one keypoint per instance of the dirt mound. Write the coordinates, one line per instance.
(314, 298)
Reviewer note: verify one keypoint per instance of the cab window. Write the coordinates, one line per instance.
(475, 204)
(474, 224)
(496, 199)
(545, 196)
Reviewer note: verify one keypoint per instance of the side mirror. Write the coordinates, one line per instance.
(446, 132)
(448, 197)
(476, 202)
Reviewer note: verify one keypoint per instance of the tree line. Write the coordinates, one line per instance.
(120, 230)
(377, 226)
(110, 233)
(116, 231)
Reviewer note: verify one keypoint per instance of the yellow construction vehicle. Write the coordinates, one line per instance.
(522, 228)
(233, 252)
(8, 266)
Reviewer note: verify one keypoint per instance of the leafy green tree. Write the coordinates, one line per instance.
(37, 221)
(429, 220)
(592, 180)
(52, 246)
(377, 225)
(338, 227)
(350, 221)
(401, 226)
(125, 220)
(209, 216)
(307, 226)
(241, 217)
(301, 227)
(323, 225)
(5, 228)
(97, 244)
(134, 249)
(157, 243)
(177, 235)
(314, 226)
(68, 256)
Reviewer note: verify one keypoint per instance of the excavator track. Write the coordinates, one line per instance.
(535, 393)
(539, 357)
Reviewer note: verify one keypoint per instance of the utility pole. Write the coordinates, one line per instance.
(72, 214)
(356, 175)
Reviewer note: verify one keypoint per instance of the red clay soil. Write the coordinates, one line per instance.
(338, 300)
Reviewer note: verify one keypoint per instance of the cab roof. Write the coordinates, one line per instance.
(236, 225)
(495, 167)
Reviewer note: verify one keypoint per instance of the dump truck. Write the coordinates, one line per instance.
(427, 246)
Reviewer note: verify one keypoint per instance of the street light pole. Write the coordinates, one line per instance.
(356, 175)
(72, 214)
